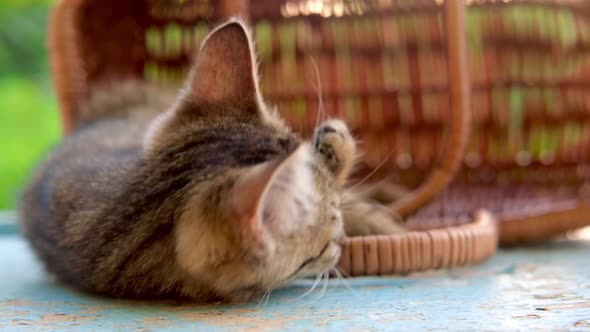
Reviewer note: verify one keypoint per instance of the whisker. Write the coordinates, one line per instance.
(268, 292)
(262, 299)
(326, 277)
(318, 89)
(315, 284)
(363, 180)
(342, 273)
(360, 192)
(326, 283)
(341, 279)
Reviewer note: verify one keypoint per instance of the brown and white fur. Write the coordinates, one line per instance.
(207, 195)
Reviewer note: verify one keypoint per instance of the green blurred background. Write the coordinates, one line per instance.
(29, 119)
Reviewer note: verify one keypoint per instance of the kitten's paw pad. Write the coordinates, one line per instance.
(333, 141)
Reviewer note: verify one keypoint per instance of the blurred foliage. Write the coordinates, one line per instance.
(29, 121)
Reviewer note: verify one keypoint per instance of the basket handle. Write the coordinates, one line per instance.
(460, 112)
(67, 68)
(230, 8)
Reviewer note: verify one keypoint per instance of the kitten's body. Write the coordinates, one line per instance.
(213, 198)
(96, 194)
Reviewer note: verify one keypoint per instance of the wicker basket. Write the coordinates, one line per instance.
(516, 141)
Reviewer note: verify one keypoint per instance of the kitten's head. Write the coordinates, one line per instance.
(264, 204)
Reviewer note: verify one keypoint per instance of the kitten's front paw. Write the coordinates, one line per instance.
(333, 141)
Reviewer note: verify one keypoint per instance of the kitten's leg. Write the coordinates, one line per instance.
(384, 191)
(363, 216)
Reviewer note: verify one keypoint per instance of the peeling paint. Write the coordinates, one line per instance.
(527, 317)
(64, 318)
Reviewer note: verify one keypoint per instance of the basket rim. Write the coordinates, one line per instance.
(415, 251)
(515, 229)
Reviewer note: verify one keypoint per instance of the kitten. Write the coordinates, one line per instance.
(213, 199)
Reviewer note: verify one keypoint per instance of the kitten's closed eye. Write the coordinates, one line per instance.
(325, 259)
(312, 259)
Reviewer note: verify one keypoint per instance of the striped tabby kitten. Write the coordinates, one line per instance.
(213, 199)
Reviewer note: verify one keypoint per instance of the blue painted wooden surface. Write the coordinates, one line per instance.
(537, 288)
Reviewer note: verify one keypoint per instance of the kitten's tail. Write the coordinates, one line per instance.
(121, 99)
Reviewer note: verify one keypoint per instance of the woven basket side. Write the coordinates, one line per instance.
(529, 63)
(531, 130)
(420, 251)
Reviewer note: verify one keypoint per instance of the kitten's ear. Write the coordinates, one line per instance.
(224, 74)
(249, 189)
(264, 188)
(225, 69)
